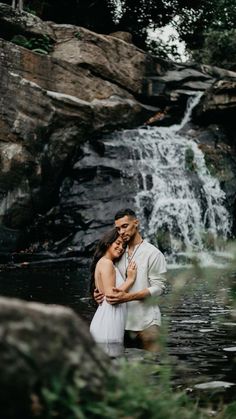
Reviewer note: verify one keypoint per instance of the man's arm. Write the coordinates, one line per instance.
(98, 296)
(123, 297)
(156, 279)
(156, 271)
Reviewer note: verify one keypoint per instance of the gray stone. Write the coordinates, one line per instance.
(218, 103)
(40, 343)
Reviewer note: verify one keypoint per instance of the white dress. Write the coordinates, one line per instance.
(108, 324)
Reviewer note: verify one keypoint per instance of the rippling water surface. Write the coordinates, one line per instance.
(197, 315)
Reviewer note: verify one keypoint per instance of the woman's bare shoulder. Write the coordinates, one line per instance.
(105, 263)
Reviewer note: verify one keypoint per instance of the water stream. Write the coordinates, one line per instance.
(180, 204)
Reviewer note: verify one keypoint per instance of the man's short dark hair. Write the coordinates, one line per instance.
(123, 212)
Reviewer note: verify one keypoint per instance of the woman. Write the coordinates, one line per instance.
(108, 324)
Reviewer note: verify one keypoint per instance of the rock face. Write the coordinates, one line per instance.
(55, 101)
(52, 104)
(218, 104)
(40, 343)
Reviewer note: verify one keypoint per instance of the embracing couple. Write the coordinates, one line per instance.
(125, 270)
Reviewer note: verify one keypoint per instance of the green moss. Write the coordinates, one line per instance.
(78, 35)
(217, 165)
(189, 160)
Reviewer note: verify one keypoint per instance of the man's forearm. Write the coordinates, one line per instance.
(138, 295)
(119, 296)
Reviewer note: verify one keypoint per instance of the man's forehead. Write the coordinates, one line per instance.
(124, 220)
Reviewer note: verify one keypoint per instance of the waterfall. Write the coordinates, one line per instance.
(178, 201)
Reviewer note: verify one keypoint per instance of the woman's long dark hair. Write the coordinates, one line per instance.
(104, 243)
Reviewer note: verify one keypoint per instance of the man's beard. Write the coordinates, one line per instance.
(128, 238)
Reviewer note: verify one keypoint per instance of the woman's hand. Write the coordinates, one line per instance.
(131, 272)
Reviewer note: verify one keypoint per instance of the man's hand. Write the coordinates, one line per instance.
(117, 296)
(98, 296)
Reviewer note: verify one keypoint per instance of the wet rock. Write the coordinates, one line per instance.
(9, 239)
(174, 87)
(94, 192)
(215, 72)
(218, 103)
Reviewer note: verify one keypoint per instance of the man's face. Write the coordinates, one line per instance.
(127, 227)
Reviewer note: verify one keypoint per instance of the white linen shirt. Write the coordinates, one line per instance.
(150, 265)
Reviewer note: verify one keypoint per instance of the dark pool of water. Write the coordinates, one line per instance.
(197, 317)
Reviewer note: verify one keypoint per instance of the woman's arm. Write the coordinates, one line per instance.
(131, 276)
(108, 279)
(107, 275)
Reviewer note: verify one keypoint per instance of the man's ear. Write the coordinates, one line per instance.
(136, 222)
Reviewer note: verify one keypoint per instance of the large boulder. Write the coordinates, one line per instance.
(218, 104)
(44, 125)
(41, 344)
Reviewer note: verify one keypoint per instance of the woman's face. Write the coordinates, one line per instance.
(116, 249)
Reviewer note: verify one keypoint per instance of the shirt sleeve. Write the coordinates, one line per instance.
(156, 279)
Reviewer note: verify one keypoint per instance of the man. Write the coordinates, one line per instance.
(143, 319)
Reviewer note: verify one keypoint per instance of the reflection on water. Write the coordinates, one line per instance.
(64, 284)
(200, 328)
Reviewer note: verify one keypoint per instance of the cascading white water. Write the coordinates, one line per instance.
(185, 203)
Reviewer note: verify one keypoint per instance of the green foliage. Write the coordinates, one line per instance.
(128, 394)
(203, 25)
(219, 49)
(62, 398)
(165, 50)
(137, 16)
(133, 396)
(230, 411)
(102, 16)
(41, 45)
(193, 20)
(198, 17)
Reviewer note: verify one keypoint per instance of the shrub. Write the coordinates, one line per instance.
(219, 49)
(41, 45)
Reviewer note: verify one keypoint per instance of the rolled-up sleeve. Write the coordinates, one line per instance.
(156, 271)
